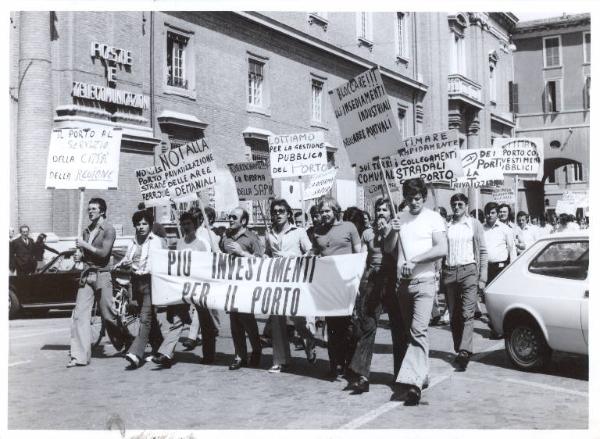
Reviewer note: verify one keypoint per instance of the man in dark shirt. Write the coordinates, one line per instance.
(240, 241)
(22, 253)
(95, 247)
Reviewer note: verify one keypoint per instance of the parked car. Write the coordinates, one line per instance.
(540, 301)
(54, 285)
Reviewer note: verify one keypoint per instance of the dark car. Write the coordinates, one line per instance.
(54, 285)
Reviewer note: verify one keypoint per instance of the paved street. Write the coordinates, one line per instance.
(43, 394)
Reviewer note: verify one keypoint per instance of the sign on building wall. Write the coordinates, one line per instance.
(252, 180)
(482, 167)
(364, 115)
(432, 157)
(85, 157)
(294, 155)
(522, 156)
(320, 184)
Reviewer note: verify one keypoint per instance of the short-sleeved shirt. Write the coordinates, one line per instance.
(202, 232)
(198, 244)
(248, 240)
(416, 237)
(499, 241)
(291, 242)
(339, 239)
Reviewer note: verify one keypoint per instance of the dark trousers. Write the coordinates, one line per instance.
(242, 324)
(461, 288)
(149, 328)
(376, 290)
(339, 340)
(209, 332)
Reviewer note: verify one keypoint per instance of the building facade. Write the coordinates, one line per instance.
(551, 100)
(234, 78)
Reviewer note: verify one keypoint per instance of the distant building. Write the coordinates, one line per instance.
(551, 99)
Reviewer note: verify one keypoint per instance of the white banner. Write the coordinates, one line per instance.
(290, 286)
(320, 184)
(364, 115)
(294, 155)
(252, 180)
(432, 157)
(504, 195)
(481, 167)
(522, 156)
(85, 157)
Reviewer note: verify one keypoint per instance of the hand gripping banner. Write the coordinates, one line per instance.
(285, 286)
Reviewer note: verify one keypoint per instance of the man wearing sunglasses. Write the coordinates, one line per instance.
(240, 241)
(464, 274)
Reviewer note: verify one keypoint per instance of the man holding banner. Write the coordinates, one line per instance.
(240, 241)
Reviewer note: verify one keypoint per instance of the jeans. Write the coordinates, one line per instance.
(415, 297)
(461, 287)
(149, 327)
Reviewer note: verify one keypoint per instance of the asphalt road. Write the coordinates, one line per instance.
(43, 394)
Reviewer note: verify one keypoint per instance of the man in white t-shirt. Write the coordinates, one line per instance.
(422, 242)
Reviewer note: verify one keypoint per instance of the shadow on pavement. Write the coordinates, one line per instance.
(55, 347)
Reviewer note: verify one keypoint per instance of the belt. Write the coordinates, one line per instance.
(461, 265)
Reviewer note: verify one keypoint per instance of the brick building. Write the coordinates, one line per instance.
(552, 101)
(234, 78)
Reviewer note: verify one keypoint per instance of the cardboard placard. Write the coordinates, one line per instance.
(294, 155)
(504, 195)
(153, 186)
(370, 177)
(522, 156)
(252, 180)
(482, 167)
(320, 184)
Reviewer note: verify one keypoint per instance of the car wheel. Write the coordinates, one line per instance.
(97, 326)
(13, 304)
(526, 346)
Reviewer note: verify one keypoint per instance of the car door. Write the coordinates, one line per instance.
(58, 283)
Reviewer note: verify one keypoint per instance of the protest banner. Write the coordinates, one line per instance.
(579, 199)
(285, 286)
(431, 157)
(565, 206)
(365, 118)
(86, 157)
(522, 156)
(188, 170)
(252, 180)
(295, 155)
(370, 177)
(504, 195)
(320, 184)
(153, 186)
(481, 167)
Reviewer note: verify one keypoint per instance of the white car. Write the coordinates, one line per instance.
(540, 301)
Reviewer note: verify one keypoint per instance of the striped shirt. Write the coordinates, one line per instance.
(460, 242)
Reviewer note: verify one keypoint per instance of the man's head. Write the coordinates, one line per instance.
(522, 219)
(96, 209)
(504, 213)
(414, 192)
(238, 219)
(458, 203)
(330, 211)
(143, 220)
(315, 215)
(552, 219)
(383, 209)
(491, 213)
(188, 223)
(535, 220)
(24, 230)
(281, 212)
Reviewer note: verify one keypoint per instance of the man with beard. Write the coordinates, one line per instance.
(421, 235)
(376, 288)
(336, 237)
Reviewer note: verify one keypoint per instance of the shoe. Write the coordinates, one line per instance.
(151, 357)
(462, 360)
(277, 368)
(435, 321)
(163, 361)
(255, 359)
(189, 344)
(298, 345)
(477, 315)
(134, 361)
(73, 363)
(360, 386)
(265, 342)
(237, 363)
(425, 383)
(413, 396)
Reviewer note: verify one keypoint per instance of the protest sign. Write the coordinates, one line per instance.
(522, 156)
(481, 167)
(504, 195)
(365, 117)
(294, 155)
(285, 286)
(370, 177)
(153, 186)
(320, 184)
(432, 157)
(188, 170)
(84, 157)
(564, 206)
(252, 180)
(579, 199)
